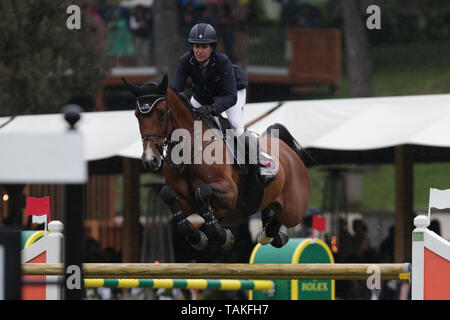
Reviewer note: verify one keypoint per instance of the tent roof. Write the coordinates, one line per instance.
(342, 126)
(366, 123)
(105, 134)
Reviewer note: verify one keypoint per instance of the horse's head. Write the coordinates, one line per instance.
(154, 118)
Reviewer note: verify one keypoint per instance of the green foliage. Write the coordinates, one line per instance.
(43, 63)
(379, 186)
(405, 25)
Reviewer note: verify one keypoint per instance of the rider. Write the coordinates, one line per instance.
(218, 86)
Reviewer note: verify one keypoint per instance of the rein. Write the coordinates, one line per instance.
(166, 143)
(149, 136)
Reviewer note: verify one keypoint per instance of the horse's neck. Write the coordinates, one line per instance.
(182, 117)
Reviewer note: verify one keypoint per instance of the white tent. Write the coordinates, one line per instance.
(337, 124)
(366, 123)
(105, 134)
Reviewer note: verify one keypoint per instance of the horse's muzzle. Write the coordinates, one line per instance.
(154, 163)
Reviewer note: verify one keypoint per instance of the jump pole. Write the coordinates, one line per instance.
(199, 284)
(268, 271)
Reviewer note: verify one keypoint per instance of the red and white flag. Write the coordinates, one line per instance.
(39, 208)
(318, 224)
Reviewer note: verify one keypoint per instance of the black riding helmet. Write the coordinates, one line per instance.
(202, 33)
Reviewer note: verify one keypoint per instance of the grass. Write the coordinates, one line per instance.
(412, 69)
(408, 69)
(378, 186)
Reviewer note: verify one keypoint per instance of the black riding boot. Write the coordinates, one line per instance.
(254, 163)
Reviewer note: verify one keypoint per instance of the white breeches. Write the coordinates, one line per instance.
(235, 114)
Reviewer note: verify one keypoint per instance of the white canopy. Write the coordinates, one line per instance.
(105, 134)
(339, 124)
(366, 123)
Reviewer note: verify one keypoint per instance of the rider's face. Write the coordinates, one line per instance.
(202, 51)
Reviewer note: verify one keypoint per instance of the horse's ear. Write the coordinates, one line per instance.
(134, 89)
(171, 96)
(162, 86)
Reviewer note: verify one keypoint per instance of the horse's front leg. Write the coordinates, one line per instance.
(214, 231)
(270, 232)
(194, 237)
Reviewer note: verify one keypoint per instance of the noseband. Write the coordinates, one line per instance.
(145, 110)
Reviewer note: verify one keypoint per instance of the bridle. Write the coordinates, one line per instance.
(146, 111)
(162, 147)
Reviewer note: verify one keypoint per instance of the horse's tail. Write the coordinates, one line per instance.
(287, 137)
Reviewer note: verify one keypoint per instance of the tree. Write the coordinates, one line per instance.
(359, 66)
(168, 43)
(43, 63)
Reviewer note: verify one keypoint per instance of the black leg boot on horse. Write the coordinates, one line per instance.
(215, 232)
(196, 238)
(271, 230)
(258, 162)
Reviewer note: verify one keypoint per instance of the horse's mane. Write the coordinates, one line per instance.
(185, 100)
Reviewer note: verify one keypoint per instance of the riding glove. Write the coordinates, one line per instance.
(205, 111)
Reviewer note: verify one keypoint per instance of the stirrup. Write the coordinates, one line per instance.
(267, 169)
(266, 180)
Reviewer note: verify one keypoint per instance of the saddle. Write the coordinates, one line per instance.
(250, 190)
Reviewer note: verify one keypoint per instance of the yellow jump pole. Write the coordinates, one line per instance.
(228, 271)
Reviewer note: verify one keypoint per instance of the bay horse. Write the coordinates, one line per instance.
(211, 189)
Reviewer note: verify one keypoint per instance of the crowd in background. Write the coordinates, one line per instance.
(122, 34)
(125, 35)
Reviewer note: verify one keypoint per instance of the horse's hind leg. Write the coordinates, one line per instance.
(215, 232)
(195, 237)
(271, 229)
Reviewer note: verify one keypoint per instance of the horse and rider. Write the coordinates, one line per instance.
(273, 180)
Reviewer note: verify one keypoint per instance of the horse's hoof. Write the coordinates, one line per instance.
(229, 242)
(280, 240)
(202, 244)
(263, 239)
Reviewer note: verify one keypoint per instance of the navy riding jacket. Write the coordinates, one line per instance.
(221, 79)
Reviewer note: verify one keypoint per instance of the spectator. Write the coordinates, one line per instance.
(118, 38)
(227, 27)
(140, 25)
(188, 18)
(361, 238)
(297, 13)
(210, 15)
(309, 17)
(92, 251)
(387, 247)
(435, 226)
(404, 290)
(96, 27)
